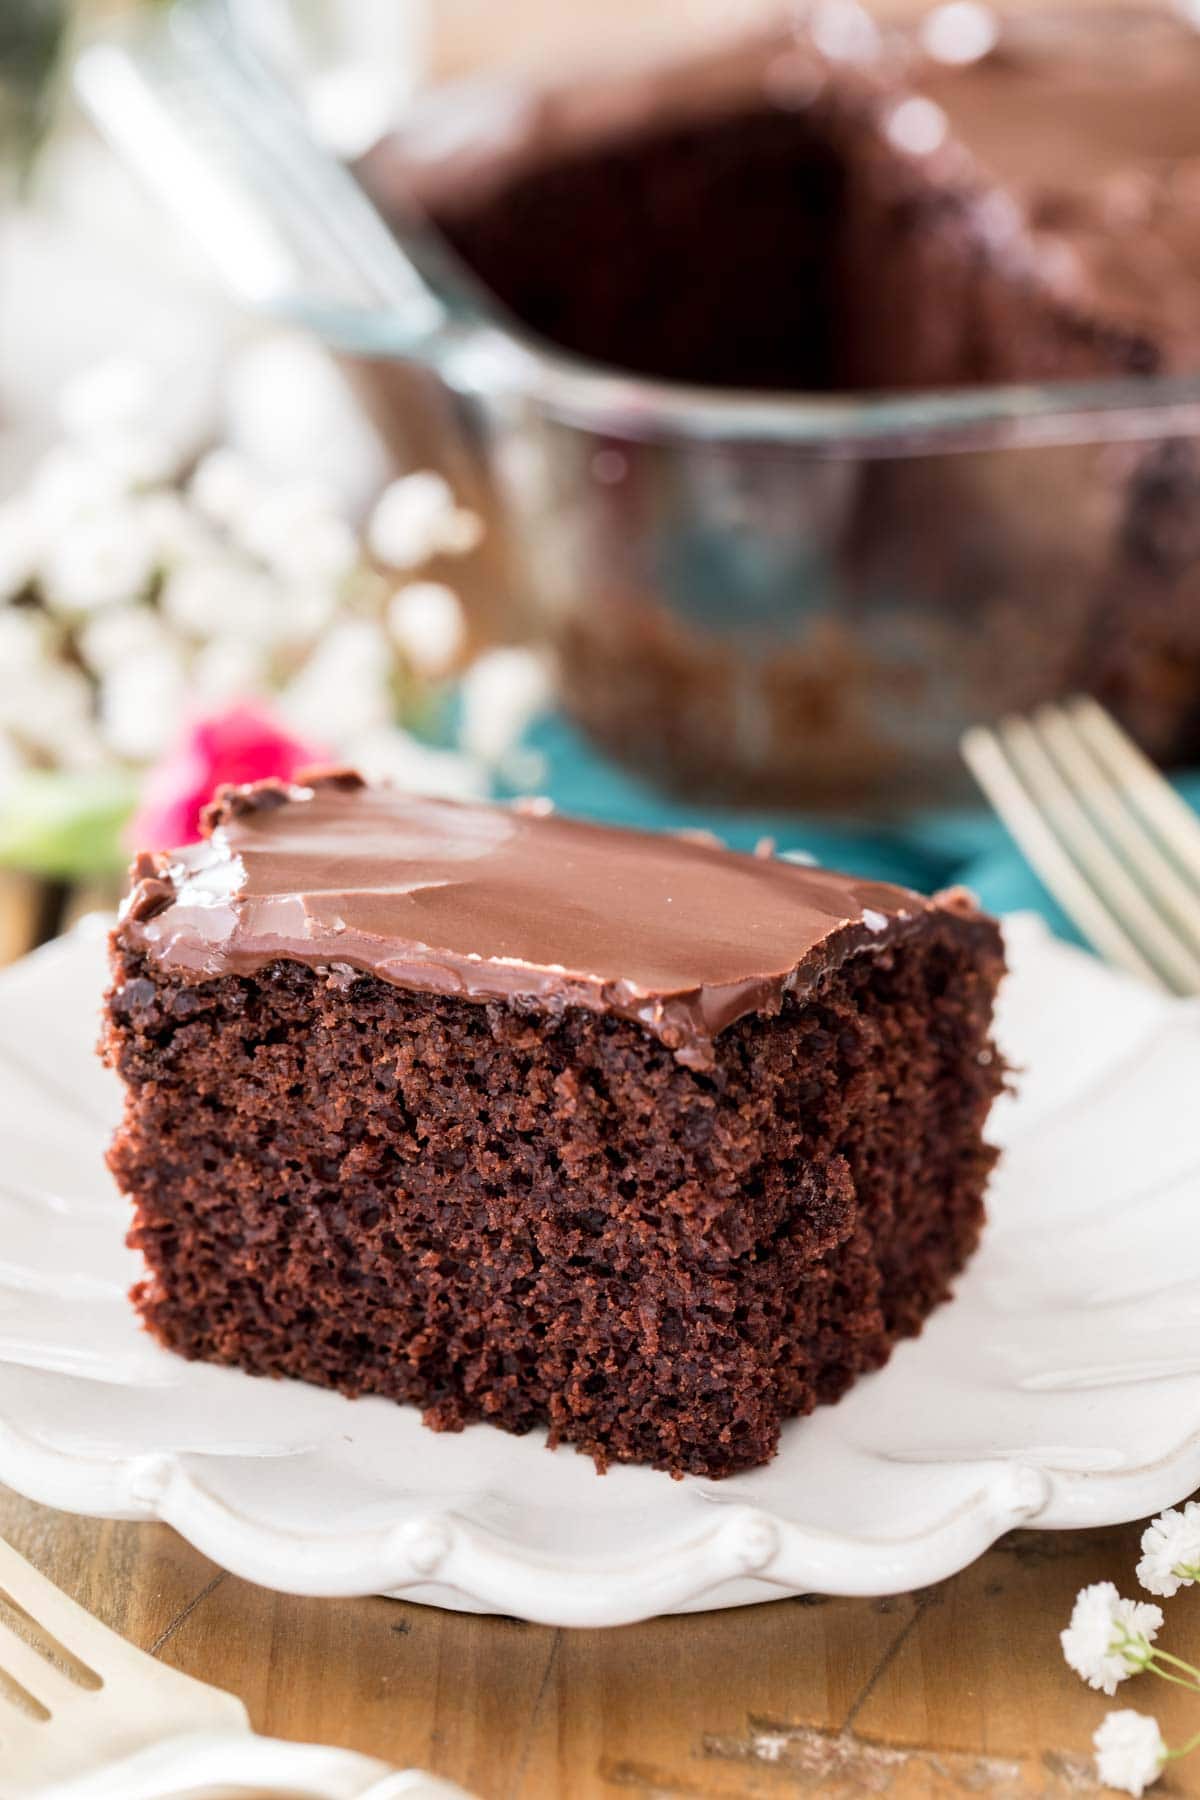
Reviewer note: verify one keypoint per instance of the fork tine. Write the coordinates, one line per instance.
(1091, 851)
(81, 1635)
(1108, 797)
(1154, 796)
(41, 1679)
(988, 761)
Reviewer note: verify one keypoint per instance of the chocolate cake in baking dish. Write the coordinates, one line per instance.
(543, 1123)
(832, 214)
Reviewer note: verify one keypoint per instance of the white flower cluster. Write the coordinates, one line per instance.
(128, 599)
(1110, 1639)
(1130, 1752)
(1171, 1550)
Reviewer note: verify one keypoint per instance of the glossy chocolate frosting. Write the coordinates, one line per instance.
(492, 903)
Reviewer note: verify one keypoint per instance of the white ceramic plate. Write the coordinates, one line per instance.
(1060, 1388)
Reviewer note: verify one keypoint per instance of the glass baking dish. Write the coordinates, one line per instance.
(777, 596)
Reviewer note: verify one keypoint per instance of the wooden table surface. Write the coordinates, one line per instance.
(956, 1690)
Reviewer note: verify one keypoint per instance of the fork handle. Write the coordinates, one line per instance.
(236, 1765)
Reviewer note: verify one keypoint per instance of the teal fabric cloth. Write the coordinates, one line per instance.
(929, 850)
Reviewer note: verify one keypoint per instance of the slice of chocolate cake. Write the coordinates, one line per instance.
(543, 1123)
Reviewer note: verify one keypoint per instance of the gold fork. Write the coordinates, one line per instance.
(86, 1716)
(1110, 838)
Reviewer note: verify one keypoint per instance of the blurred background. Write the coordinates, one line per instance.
(761, 396)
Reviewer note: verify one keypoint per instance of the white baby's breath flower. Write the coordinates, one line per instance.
(426, 622)
(111, 413)
(1171, 1550)
(416, 519)
(225, 487)
(42, 706)
(112, 396)
(79, 745)
(344, 688)
(112, 636)
(389, 754)
(67, 484)
(406, 519)
(461, 533)
(322, 550)
(1129, 1751)
(222, 598)
(228, 668)
(179, 531)
(502, 692)
(98, 560)
(141, 701)
(19, 540)
(39, 697)
(1109, 1638)
(296, 530)
(306, 609)
(136, 459)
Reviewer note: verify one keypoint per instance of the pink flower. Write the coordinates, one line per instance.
(241, 743)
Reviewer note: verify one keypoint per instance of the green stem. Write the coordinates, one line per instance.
(1176, 1662)
(1175, 1680)
(1183, 1750)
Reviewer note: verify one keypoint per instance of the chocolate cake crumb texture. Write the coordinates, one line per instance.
(533, 1122)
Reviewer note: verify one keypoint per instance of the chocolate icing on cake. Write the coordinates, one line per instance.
(489, 903)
